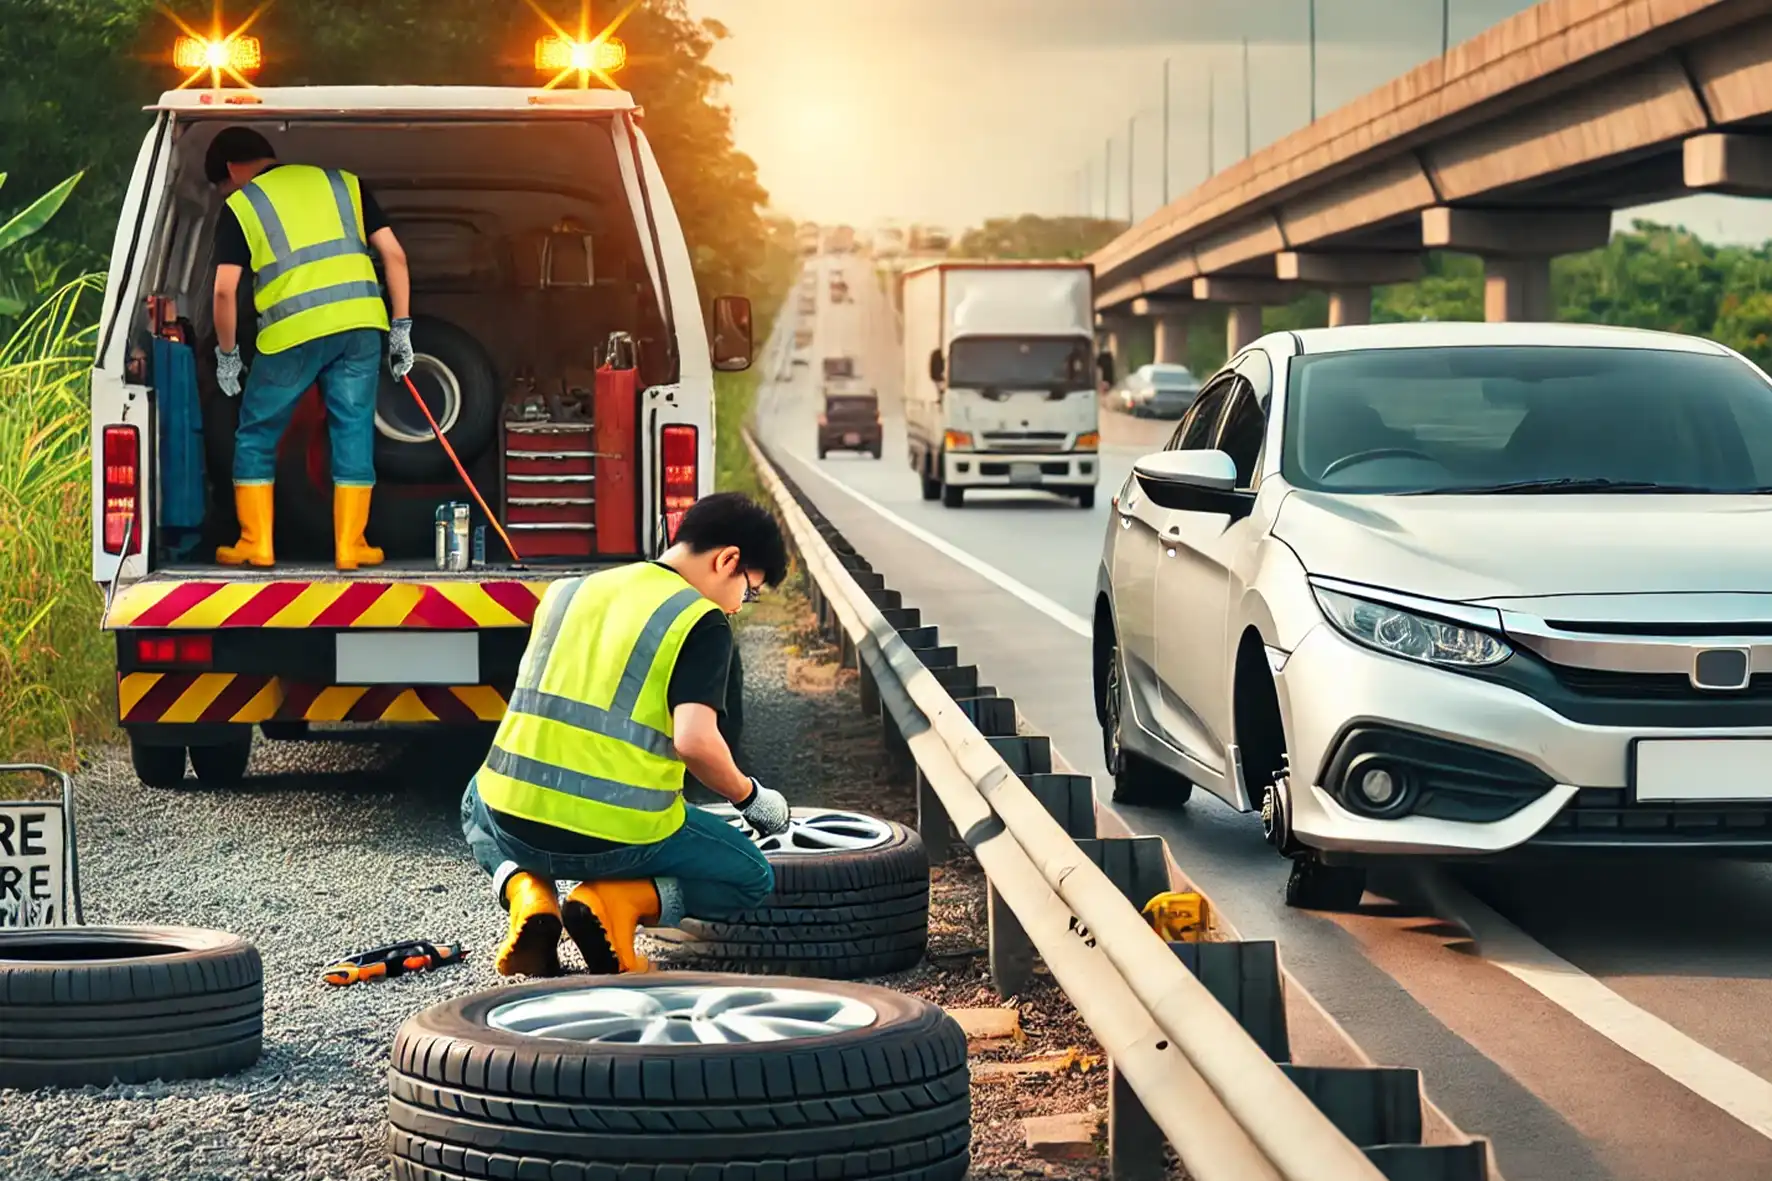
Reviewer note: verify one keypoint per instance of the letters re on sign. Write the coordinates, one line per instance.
(33, 858)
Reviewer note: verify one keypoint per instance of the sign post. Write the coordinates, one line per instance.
(39, 867)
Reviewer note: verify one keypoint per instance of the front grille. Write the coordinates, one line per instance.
(1025, 440)
(1601, 814)
(1606, 683)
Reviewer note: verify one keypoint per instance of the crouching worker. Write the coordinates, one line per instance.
(618, 694)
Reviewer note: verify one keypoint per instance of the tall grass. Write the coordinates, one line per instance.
(56, 668)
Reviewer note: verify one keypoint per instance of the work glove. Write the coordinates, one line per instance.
(227, 371)
(766, 810)
(400, 347)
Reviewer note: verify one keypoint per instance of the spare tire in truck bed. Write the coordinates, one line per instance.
(91, 1006)
(851, 899)
(459, 383)
(680, 1077)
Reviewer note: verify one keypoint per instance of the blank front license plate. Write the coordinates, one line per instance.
(852, 439)
(1704, 769)
(408, 658)
(1024, 473)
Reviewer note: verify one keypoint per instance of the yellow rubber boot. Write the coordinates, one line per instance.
(252, 503)
(350, 515)
(532, 947)
(603, 917)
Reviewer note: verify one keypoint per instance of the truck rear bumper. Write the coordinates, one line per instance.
(154, 702)
(1002, 469)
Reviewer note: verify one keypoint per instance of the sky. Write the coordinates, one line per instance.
(952, 111)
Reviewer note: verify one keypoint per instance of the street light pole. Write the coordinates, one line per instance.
(1107, 181)
(1445, 27)
(1165, 131)
(1211, 122)
(1313, 11)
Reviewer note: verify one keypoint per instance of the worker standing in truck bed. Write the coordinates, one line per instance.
(617, 696)
(306, 233)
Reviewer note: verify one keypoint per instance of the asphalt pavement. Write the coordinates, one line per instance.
(1606, 1022)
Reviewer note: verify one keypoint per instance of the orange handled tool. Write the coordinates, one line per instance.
(491, 517)
(394, 959)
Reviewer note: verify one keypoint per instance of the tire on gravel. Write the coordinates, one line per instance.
(468, 1100)
(84, 1006)
(838, 914)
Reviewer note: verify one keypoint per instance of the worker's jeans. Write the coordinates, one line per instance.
(348, 368)
(706, 869)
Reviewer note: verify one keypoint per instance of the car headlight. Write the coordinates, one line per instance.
(1413, 637)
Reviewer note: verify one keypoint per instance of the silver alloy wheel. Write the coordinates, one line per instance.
(683, 1014)
(814, 830)
(1115, 755)
(423, 365)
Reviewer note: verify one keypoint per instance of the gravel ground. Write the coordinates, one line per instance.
(333, 847)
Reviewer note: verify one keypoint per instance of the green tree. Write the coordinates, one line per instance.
(1745, 325)
(1030, 236)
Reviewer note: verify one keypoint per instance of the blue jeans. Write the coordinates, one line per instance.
(706, 869)
(348, 368)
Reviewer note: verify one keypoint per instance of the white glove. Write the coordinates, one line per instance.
(227, 371)
(766, 810)
(400, 347)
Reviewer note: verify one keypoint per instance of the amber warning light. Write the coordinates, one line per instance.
(243, 55)
(605, 55)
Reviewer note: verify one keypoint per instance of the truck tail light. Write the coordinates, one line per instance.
(189, 651)
(681, 475)
(121, 454)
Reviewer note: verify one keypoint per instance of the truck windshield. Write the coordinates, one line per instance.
(1019, 362)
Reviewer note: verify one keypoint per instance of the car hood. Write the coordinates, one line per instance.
(1468, 548)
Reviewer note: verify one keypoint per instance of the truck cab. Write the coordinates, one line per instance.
(561, 346)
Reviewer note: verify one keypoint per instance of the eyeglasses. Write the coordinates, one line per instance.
(751, 593)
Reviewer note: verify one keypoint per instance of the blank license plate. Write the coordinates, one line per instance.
(852, 439)
(1704, 769)
(1024, 473)
(408, 658)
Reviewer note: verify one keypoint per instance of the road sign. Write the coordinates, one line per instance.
(39, 873)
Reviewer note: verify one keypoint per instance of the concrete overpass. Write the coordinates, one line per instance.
(1517, 146)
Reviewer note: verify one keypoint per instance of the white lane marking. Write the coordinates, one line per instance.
(1717, 1080)
(989, 573)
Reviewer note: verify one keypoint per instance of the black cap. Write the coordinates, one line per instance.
(235, 145)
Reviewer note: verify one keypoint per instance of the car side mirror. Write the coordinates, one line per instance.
(1193, 482)
(1104, 364)
(732, 334)
(937, 368)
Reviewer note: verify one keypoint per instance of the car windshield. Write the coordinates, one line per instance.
(1010, 362)
(1170, 377)
(850, 407)
(1495, 419)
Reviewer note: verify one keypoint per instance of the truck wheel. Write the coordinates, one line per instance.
(92, 1006)
(670, 1076)
(952, 497)
(157, 766)
(460, 385)
(874, 451)
(931, 488)
(1086, 498)
(222, 765)
(851, 899)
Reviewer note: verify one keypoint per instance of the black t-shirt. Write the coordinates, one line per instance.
(230, 240)
(698, 678)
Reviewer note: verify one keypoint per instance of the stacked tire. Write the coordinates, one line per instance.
(680, 1077)
(92, 1006)
(844, 913)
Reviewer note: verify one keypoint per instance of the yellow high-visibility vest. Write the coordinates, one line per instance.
(586, 743)
(310, 258)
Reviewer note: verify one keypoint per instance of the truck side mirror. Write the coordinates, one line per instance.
(732, 334)
(937, 370)
(1104, 363)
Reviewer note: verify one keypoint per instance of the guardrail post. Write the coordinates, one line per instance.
(1135, 1143)
(933, 824)
(1069, 798)
(1012, 952)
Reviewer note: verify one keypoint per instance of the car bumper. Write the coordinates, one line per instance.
(1574, 791)
(1004, 469)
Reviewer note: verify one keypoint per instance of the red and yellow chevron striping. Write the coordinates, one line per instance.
(450, 604)
(240, 697)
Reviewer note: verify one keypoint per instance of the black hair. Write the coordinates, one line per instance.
(732, 518)
(234, 145)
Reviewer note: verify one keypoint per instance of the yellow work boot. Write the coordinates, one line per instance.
(602, 918)
(252, 504)
(532, 948)
(350, 515)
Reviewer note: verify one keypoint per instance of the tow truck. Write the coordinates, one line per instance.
(561, 347)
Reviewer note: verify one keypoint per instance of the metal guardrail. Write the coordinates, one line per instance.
(1182, 1067)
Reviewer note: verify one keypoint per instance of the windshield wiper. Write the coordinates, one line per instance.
(1574, 484)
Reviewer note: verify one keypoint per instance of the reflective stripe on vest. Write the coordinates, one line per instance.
(585, 743)
(324, 285)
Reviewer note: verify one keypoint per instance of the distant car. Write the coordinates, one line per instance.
(839, 291)
(838, 367)
(808, 306)
(1156, 391)
(850, 420)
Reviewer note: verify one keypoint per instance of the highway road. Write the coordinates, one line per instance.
(1593, 1022)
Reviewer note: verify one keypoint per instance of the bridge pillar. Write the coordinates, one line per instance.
(1721, 162)
(1517, 290)
(1242, 326)
(1169, 327)
(1516, 246)
(1350, 305)
(1247, 296)
(1350, 277)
